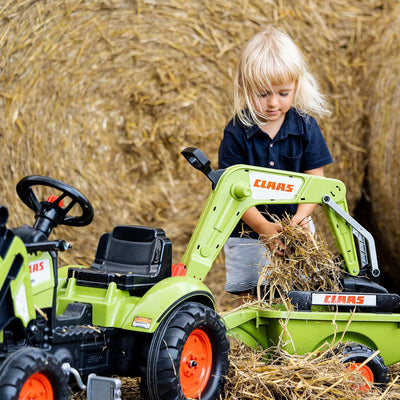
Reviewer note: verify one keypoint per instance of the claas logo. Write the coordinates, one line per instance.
(36, 267)
(344, 299)
(264, 184)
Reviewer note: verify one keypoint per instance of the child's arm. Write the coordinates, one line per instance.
(254, 219)
(305, 210)
(258, 223)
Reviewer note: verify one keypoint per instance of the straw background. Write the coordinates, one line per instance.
(383, 183)
(104, 94)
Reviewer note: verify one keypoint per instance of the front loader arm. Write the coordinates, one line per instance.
(241, 187)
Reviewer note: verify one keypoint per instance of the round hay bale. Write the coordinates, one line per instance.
(384, 143)
(105, 94)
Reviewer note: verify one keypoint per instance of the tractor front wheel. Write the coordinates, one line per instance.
(374, 371)
(33, 374)
(188, 356)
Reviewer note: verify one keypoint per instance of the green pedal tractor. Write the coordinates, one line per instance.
(124, 315)
(132, 313)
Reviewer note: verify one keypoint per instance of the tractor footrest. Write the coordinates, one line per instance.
(75, 314)
(94, 278)
(346, 301)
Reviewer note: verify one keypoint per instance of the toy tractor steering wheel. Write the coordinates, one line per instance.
(52, 212)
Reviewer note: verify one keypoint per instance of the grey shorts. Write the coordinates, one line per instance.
(244, 259)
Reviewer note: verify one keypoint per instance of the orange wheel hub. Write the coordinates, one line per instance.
(366, 372)
(37, 387)
(195, 365)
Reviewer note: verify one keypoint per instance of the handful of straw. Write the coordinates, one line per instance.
(307, 265)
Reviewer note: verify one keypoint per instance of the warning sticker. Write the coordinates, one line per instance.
(141, 322)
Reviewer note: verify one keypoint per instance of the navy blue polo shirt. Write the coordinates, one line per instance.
(298, 146)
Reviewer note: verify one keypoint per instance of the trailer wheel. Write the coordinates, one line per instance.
(375, 371)
(188, 356)
(33, 374)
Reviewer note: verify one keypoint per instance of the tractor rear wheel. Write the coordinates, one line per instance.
(32, 373)
(374, 371)
(188, 356)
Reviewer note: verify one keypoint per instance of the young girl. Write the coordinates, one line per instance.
(274, 93)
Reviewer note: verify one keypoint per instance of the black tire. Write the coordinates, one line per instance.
(22, 366)
(358, 353)
(171, 365)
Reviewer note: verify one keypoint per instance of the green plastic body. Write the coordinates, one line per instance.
(14, 274)
(241, 187)
(116, 308)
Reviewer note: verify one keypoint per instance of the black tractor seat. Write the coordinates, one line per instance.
(134, 257)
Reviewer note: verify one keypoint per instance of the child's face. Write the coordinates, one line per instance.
(272, 105)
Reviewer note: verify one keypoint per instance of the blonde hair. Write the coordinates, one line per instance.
(271, 58)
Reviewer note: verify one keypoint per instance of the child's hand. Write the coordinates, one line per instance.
(274, 244)
(267, 230)
(301, 221)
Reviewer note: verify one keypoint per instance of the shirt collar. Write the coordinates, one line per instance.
(289, 126)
